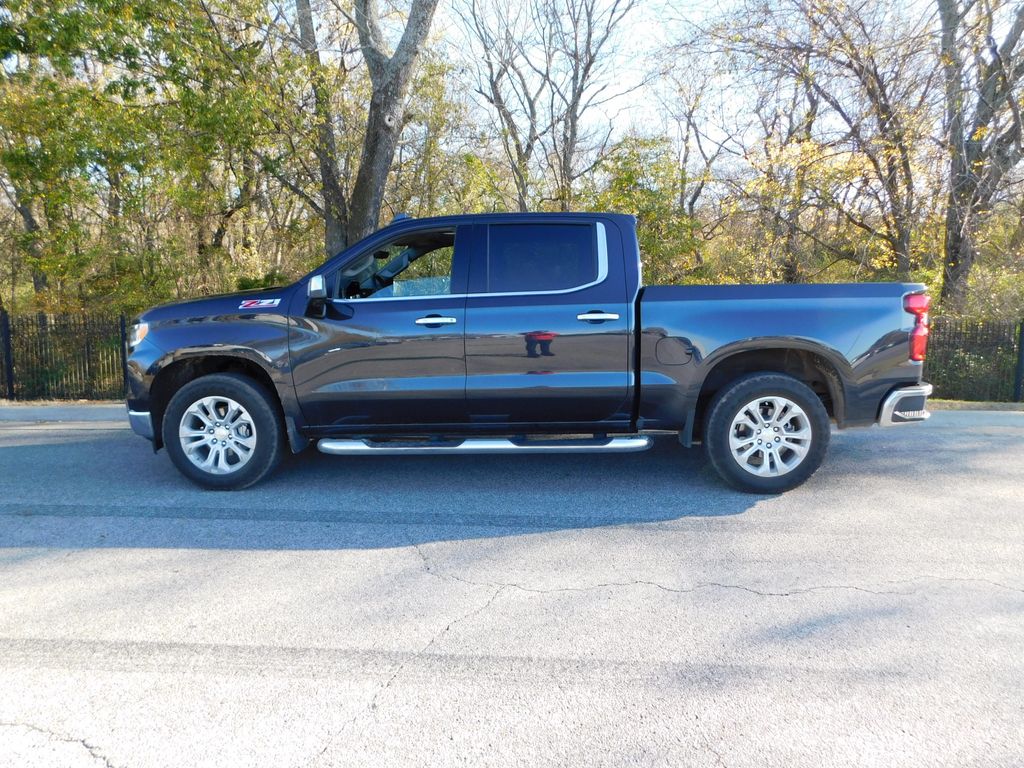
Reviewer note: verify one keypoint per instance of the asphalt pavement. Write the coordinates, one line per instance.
(500, 611)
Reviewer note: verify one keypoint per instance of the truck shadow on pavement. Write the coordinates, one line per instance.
(101, 487)
(89, 492)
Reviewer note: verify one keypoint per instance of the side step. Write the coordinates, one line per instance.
(473, 445)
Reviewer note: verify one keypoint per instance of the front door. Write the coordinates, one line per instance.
(389, 349)
(547, 326)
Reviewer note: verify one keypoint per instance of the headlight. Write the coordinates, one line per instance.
(137, 334)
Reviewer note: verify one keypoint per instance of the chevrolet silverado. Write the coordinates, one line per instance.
(521, 333)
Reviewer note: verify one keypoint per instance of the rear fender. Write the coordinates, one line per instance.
(768, 354)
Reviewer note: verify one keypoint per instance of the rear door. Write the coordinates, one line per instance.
(547, 325)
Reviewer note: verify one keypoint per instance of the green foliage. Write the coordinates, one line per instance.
(157, 149)
(640, 176)
(270, 280)
(131, 139)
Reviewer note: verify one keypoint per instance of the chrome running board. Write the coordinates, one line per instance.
(474, 445)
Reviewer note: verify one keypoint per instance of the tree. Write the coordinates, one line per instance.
(984, 80)
(513, 87)
(128, 133)
(639, 176)
(391, 76)
(351, 216)
(584, 34)
(335, 206)
(545, 70)
(864, 66)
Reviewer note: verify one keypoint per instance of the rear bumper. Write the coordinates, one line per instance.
(905, 405)
(142, 423)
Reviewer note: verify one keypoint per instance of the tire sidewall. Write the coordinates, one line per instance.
(256, 400)
(727, 404)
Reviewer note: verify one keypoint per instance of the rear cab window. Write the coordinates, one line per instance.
(542, 257)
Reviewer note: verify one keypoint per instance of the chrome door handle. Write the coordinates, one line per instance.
(597, 317)
(436, 320)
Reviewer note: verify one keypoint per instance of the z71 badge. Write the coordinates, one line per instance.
(259, 303)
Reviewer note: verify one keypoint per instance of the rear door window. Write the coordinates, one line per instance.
(530, 258)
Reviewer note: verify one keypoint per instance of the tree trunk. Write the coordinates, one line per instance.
(522, 190)
(390, 76)
(383, 127)
(335, 207)
(903, 251)
(977, 163)
(40, 282)
(959, 254)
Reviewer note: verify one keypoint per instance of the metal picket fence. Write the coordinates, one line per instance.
(62, 357)
(976, 359)
(82, 356)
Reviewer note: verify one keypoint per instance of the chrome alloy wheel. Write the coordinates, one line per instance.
(217, 435)
(770, 436)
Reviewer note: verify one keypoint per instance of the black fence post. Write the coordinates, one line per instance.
(124, 351)
(8, 352)
(87, 362)
(1018, 381)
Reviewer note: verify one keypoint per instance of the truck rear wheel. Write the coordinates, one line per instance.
(766, 433)
(223, 432)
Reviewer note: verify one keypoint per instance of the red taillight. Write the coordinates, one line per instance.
(917, 304)
(919, 341)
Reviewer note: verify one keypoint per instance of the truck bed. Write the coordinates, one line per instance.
(859, 329)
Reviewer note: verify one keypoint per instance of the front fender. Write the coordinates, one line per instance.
(177, 350)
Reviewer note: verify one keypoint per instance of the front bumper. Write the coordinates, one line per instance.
(905, 405)
(142, 423)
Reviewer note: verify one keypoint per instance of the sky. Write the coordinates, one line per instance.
(649, 28)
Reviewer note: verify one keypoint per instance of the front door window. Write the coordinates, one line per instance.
(418, 264)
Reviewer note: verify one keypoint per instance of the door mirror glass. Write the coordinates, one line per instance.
(316, 289)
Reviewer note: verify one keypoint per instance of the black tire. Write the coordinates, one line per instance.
(267, 430)
(727, 406)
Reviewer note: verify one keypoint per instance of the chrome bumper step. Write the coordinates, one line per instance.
(475, 445)
(905, 405)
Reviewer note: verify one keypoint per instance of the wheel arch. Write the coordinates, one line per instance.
(808, 362)
(179, 372)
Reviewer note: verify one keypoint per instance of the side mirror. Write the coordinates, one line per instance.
(316, 288)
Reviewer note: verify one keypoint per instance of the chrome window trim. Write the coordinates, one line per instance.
(602, 270)
(434, 297)
(602, 275)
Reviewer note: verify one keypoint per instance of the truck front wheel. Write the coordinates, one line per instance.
(766, 433)
(222, 431)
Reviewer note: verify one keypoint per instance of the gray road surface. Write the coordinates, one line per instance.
(533, 611)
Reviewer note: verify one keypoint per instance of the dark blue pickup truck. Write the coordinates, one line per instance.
(521, 333)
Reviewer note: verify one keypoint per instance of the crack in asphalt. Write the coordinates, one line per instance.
(372, 705)
(429, 568)
(430, 644)
(94, 752)
(956, 579)
(707, 745)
